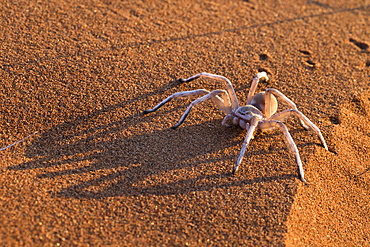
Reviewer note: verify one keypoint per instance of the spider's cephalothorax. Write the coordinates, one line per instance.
(258, 113)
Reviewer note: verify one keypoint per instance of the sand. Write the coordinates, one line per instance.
(99, 172)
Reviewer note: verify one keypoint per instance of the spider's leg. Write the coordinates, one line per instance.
(284, 114)
(178, 95)
(253, 88)
(249, 136)
(227, 119)
(282, 97)
(11, 145)
(290, 143)
(223, 102)
(229, 87)
(214, 95)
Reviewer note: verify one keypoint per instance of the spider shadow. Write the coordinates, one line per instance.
(124, 161)
(85, 146)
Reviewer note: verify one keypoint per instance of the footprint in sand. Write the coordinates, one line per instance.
(361, 45)
(309, 63)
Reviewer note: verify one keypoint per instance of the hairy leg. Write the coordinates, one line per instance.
(255, 82)
(227, 119)
(178, 95)
(285, 99)
(290, 143)
(249, 136)
(307, 122)
(11, 145)
(229, 87)
(212, 95)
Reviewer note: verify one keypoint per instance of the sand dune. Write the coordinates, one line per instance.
(99, 172)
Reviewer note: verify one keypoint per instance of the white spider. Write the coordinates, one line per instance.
(258, 113)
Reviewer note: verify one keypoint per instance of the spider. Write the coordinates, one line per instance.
(258, 113)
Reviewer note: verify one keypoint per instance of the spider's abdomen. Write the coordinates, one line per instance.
(258, 101)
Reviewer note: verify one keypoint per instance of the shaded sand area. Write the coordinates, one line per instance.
(98, 172)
